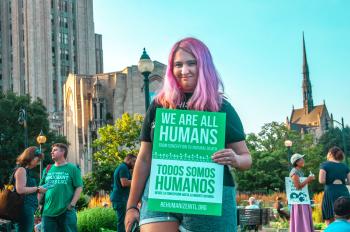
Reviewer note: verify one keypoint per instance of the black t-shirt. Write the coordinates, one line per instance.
(234, 128)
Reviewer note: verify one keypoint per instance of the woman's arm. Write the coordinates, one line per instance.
(21, 181)
(140, 174)
(322, 176)
(298, 185)
(348, 179)
(236, 155)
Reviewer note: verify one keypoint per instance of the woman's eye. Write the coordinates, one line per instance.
(178, 65)
(192, 63)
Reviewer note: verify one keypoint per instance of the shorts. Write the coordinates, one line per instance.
(196, 223)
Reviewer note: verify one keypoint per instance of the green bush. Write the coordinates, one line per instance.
(107, 230)
(92, 220)
(82, 202)
(319, 226)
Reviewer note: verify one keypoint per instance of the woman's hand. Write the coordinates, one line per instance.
(310, 178)
(226, 157)
(131, 216)
(41, 189)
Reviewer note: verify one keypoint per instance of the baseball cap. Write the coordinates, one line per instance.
(295, 157)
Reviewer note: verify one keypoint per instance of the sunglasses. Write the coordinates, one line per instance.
(37, 152)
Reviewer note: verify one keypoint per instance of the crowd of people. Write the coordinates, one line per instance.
(191, 83)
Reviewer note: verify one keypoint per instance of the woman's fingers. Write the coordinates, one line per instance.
(225, 157)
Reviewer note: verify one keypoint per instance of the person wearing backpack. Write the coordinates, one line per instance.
(64, 188)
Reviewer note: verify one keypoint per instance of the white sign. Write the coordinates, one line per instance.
(294, 195)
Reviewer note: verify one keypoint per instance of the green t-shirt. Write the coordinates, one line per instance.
(66, 179)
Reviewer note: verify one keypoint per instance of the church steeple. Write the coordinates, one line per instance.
(307, 91)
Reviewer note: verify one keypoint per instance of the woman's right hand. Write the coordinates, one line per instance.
(131, 216)
(310, 178)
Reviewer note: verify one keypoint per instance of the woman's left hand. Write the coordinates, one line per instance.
(226, 157)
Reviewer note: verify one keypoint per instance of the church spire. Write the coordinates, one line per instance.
(307, 91)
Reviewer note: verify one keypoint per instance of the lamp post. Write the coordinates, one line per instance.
(22, 119)
(41, 139)
(288, 144)
(145, 67)
(343, 137)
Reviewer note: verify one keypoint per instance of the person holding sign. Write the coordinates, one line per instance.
(334, 175)
(301, 214)
(192, 84)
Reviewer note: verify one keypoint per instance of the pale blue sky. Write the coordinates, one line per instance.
(256, 46)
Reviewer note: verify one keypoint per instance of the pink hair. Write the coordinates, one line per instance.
(207, 95)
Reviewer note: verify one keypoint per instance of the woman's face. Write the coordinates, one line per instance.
(185, 70)
(301, 162)
(34, 162)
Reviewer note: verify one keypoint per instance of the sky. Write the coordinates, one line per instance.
(256, 46)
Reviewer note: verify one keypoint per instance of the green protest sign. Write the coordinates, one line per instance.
(184, 179)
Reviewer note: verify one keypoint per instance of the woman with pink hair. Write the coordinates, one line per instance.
(191, 83)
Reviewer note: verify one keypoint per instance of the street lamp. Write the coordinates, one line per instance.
(343, 137)
(22, 119)
(145, 67)
(41, 139)
(288, 144)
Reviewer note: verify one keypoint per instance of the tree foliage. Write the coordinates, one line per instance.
(114, 143)
(270, 158)
(12, 132)
(334, 137)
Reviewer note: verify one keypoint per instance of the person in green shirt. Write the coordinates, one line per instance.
(64, 183)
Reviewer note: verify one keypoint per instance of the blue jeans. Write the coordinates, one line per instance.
(66, 222)
(120, 208)
(227, 222)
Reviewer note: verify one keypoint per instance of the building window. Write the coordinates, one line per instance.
(54, 86)
(65, 22)
(65, 38)
(65, 6)
(95, 111)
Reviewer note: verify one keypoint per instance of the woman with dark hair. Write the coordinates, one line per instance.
(334, 175)
(300, 214)
(191, 83)
(25, 184)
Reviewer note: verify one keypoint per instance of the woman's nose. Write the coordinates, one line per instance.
(184, 70)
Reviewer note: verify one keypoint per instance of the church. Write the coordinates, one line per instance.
(313, 119)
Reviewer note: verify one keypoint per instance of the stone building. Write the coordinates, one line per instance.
(41, 41)
(92, 101)
(311, 118)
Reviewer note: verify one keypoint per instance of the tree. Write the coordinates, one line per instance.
(114, 143)
(12, 133)
(333, 137)
(270, 159)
